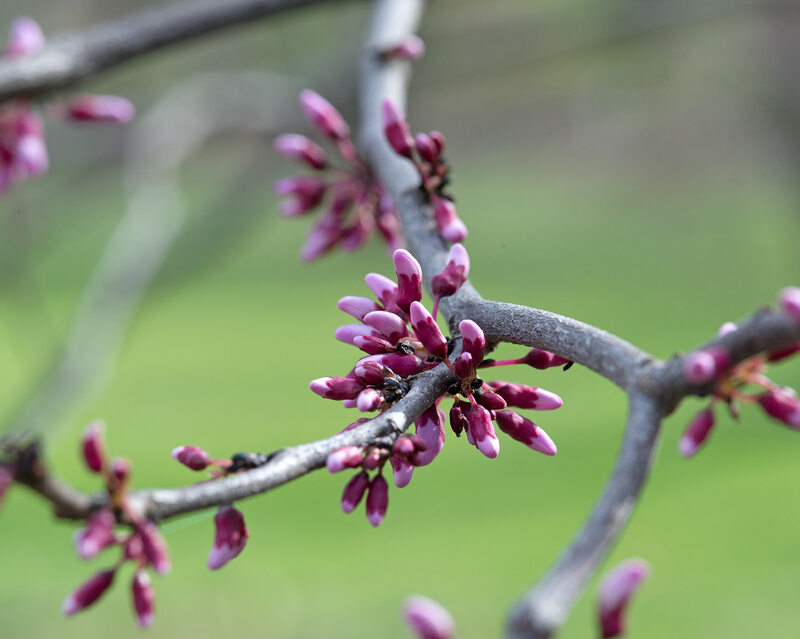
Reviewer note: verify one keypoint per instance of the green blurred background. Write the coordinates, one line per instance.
(633, 165)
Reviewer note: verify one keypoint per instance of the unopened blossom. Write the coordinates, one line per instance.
(98, 534)
(482, 431)
(783, 405)
(143, 598)
(395, 128)
(230, 537)
(450, 225)
(354, 491)
(324, 116)
(93, 446)
(455, 273)
(790, 301)
(100, 108)
(428, 331)
(616, 590)
(88, 593)
(409, 279)
(191, 457)
(525, 431)
(25, 37)
(300, 148)
(154, 546)
(703, 366)
(428, 618)
(522, 396)
(377, 500)
(411, 48)
(345, 457)
(402, 470)
(696, 433)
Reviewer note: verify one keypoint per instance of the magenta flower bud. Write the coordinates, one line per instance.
(458, 417)
(428, 331)
(88, 593)
(455, 273)
(372, 459)
(31, 156)
(430, 431)
(98, 534)
(438, 140)
(696, 433)
(701, 367)
(300, 148)
(370, 373)
(428, 619)
(426, 148)
(521, 396)
(726, 329)
(383, 288)
(154, 547)
(358, 307)
(24, 38)
(368, 400)
(524, 430)
(777, 356)
(101, 108)
(402, 365)
(790, 301)
(323, 236)
(337, 388)
(395, 128)
(464, 366)
(120, 469)
(482, 431)
(402, 471)
(539, 359)
(354, 491)
(191, 457)
(144, 598)
(93, 447)
(473, 340)
(616, 590)
(324, 116)
(349, 332)
(403, 446)
(373, 345)
(230, 537)
(412, 48)
(388, 324)
(345, 457)
(409, 279)
(447, 221)
(307, 191)
(782, 404)
(377, 500)
(490, 400)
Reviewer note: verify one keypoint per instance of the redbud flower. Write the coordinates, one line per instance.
(154, 547)
(447, 221)
(783, 405)
(482, 431)
(616, 590)
(93, 447)
(337, 388)
(388, 324)
(88, 593)
(383, 288)
(230, 538)
(790, 301)
(354, 491)
(412, 48)
(358, 307)
(428, 619)
(395, 128)
(703, 366)
(521, 396)
(455, 272)
(25, 37)
(143, 598)
(349, 332)
(427, 331)
(305, 192)
(300, 148)
(539, 359)
(324, 116)
(726, 329)
(525, 431)
(429, 429)
(377, 500)
(101, 108)
(345, 457)
(473, 340)
(409, 279)
(98, 534)
(402, 471)
(696, 433)
(191, 457)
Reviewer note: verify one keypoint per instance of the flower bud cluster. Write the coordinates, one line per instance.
(355, 202)
(401, 339)
(143, 545)
(23, 152)
(730, 383)
(425, 151)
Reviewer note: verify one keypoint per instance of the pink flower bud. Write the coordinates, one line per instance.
(726, 329)
(358, 307)
(154, 547)
(473, 340)
(426, 148)
(30, 154)
(428, 331)
(482, 431)
(428, 619)
(790, 301)
(191, 457)
(438, 140)
(25, 37)
(307, 192)
(458, 417)
(144, 598)
(524, 430)
(368, 400)
(412, 48)
(521, 396)
(782, 404)
(120, 470)
(388, 324)
(702, 367)
(377, 500)
(455, 273)
(403, 446)
(539, 359)
(373, 345)
(230, 537)
(383, 288)
(395, 128)
(300, 148)
(777, 356)
(447, 221)
(464, 366)
(88, 593)
(490, 400)
(337, 388)
(93, 447)
(373, 458)
(429, 427)
(349, 332)
(324, 116)
(345, 457)
(696, 433)
(615, 592)
(370, 373)
(402, 365)
(354, 491)
(402, 471)
(409, 279)
(98, 534)
(101, 108)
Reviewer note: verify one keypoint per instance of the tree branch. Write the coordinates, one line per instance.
(71, 58)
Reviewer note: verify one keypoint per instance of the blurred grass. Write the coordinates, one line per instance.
(577, 214)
